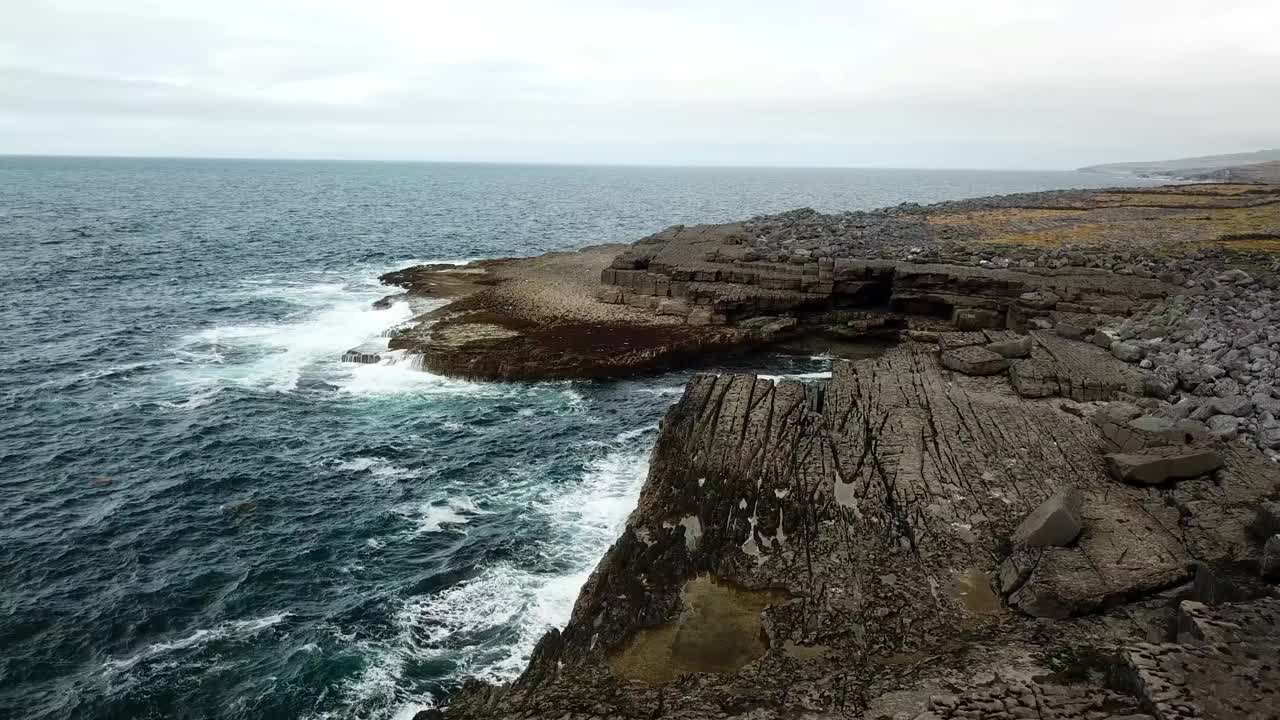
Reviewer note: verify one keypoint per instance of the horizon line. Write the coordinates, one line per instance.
(533, 163)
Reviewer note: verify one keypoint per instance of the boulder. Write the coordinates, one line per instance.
(1105, 338)
(1161, 464)
(974, 360)
(1057, 522)
(1237, 405)
(1224, 427)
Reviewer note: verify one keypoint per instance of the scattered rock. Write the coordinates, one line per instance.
(1056, 522)
(1224, 427)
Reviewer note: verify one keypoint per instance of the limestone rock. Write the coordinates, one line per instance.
(1161, 464)
(1056, 522)
(974, 360)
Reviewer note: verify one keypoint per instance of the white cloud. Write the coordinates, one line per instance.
(1008, 83)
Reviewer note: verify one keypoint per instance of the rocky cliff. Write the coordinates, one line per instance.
(1051, 496)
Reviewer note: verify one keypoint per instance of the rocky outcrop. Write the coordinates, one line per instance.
(1037, 503)
(871, 525)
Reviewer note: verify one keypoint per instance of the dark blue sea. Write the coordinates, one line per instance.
(204, 513)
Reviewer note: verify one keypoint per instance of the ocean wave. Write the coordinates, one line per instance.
(662, 391)
(230, 629)
(397, 378)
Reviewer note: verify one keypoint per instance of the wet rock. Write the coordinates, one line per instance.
(1056, 522)
(1162, 464)
(974, 360)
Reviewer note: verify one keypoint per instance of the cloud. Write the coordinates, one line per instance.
(997, 83)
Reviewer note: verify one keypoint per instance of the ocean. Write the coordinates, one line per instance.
(205, 513)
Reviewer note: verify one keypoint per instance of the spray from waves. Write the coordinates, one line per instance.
(488, 625)
(334, 314)
(275, 356)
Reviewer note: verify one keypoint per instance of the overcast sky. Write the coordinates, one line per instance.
(906, 83)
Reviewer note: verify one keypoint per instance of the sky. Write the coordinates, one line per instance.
(896, 83)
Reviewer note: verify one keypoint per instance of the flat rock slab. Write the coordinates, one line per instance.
(1162, 464)
(974, 360)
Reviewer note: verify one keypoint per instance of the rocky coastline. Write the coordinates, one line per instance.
(1053, 495)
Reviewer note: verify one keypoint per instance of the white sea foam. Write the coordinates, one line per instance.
(391, 377)
(224, 630)
(276, 354)
(798, 376)
(333, 316)
(488, 625)
(434, 516)
(379, 469)
(662, 391)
